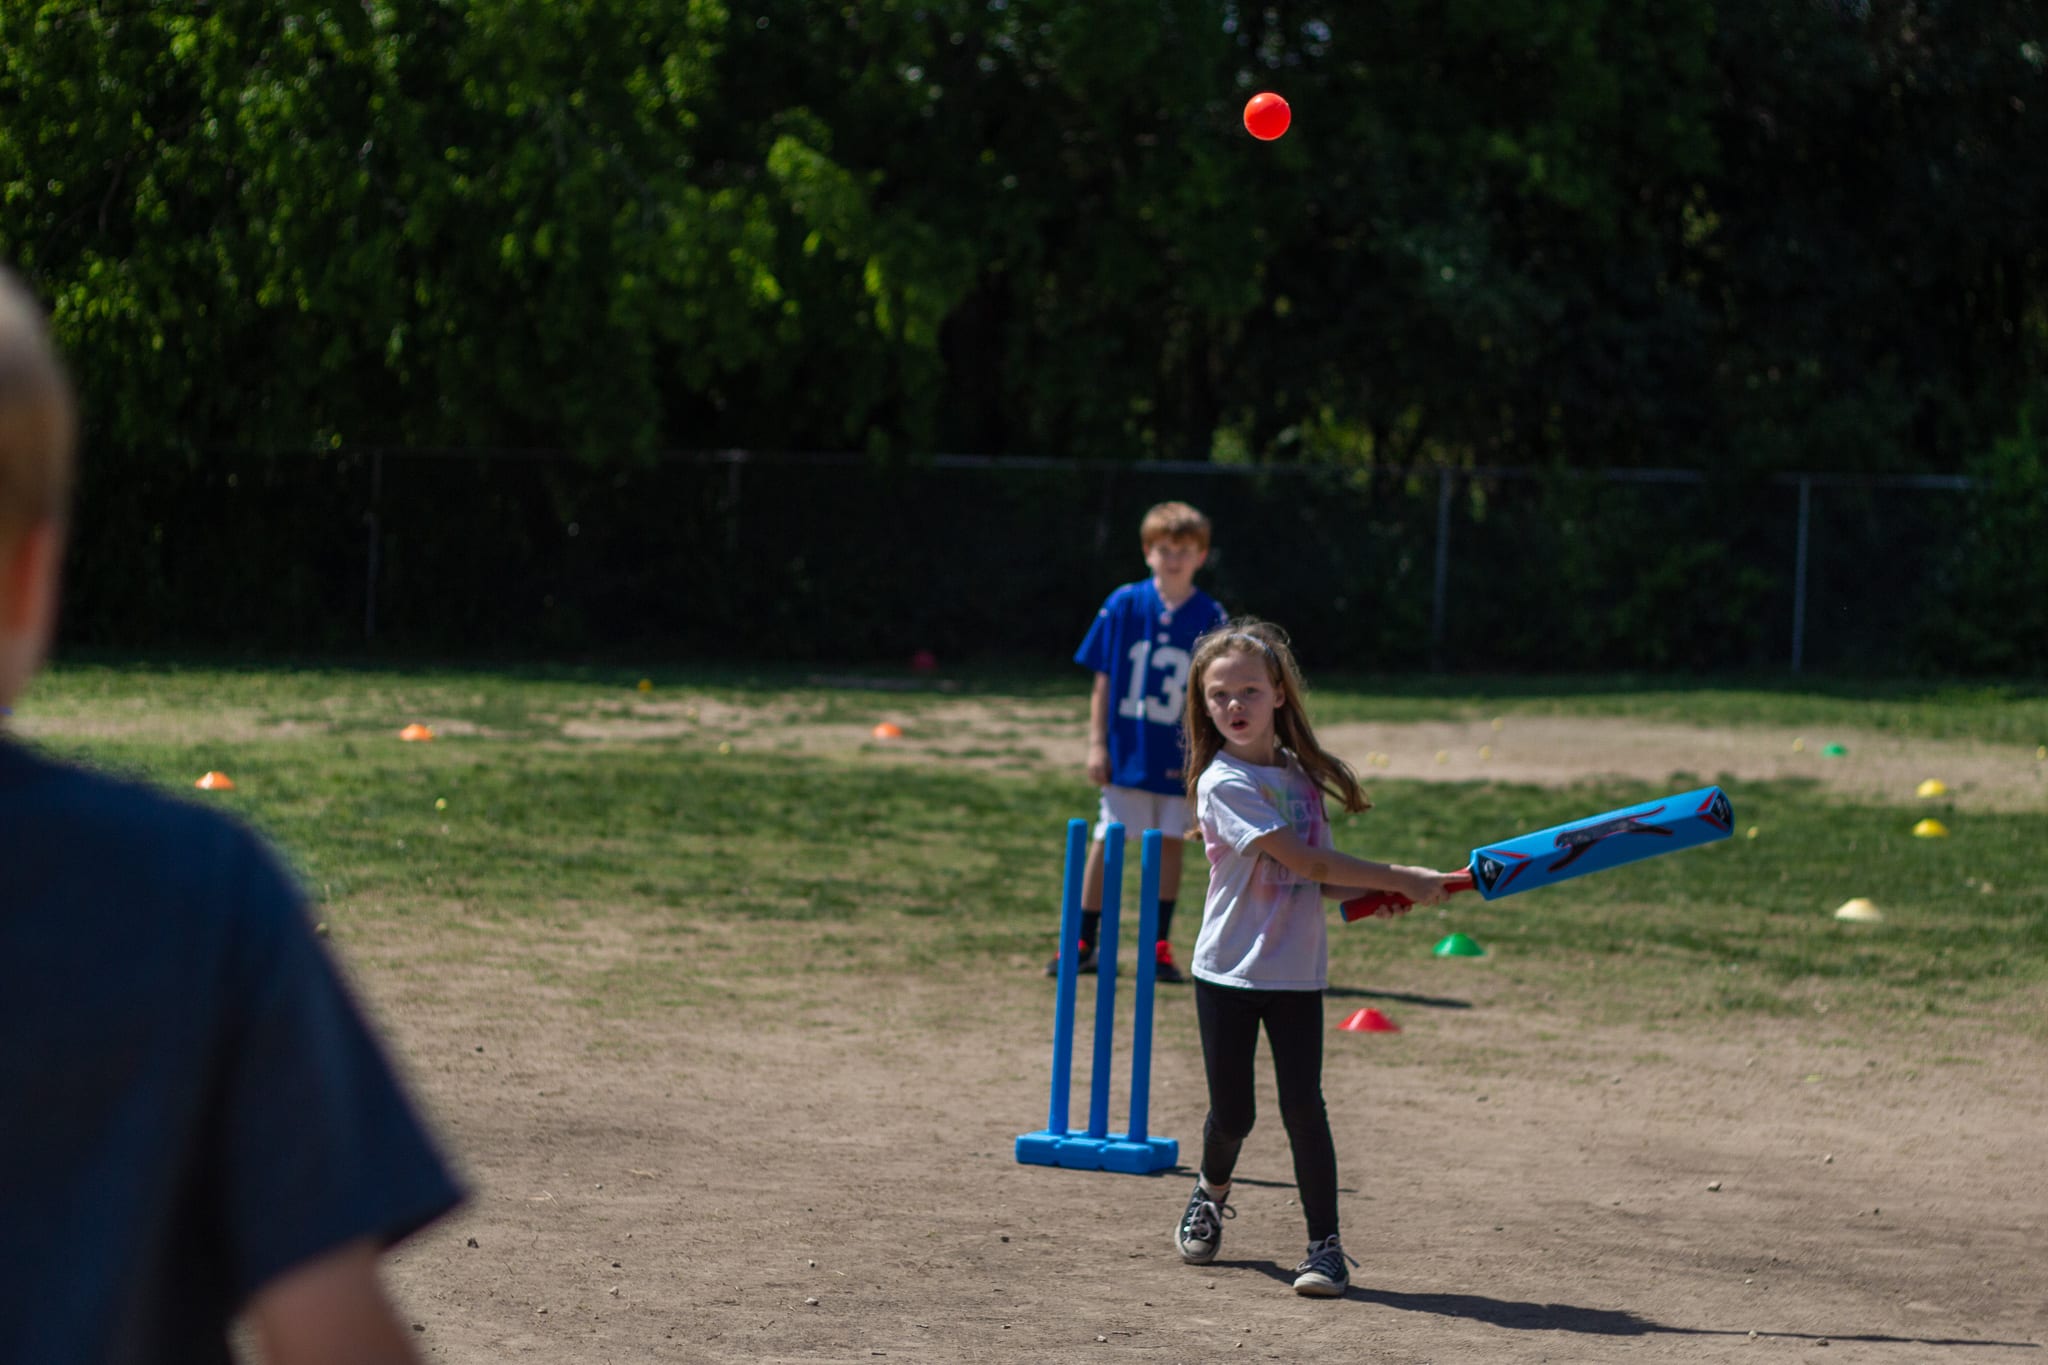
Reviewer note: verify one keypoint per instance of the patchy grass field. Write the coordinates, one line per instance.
(706, 981)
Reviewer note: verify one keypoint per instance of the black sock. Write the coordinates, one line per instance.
(1165, 920)
(1091, 925)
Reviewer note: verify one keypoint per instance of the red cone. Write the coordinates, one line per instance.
(1369, 1021)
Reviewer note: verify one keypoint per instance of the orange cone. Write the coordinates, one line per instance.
(415, 731)
(215, 782)
(1369, 1021)
(888, 729)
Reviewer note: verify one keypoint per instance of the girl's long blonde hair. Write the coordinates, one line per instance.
(1265, 641)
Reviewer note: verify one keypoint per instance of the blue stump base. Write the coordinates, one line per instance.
(1076, 1151)
(1140, 1158)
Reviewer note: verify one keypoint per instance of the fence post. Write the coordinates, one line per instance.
(370, 554)
(1442, 573)
(1799, 575)
(732, 502)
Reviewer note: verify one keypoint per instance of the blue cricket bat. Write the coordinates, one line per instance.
(1564, 851)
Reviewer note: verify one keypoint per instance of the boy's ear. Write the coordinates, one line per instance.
(28, 580)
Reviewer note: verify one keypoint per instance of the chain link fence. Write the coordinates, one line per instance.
(746, 556)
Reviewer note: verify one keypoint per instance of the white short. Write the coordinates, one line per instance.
(1138, 811)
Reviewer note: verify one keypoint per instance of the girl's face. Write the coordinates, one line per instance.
(1240, 698)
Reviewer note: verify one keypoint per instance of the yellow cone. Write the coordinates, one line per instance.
(1933, 786)
(1930, 829)
(1859, 909)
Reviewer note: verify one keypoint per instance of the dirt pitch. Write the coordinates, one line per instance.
(825, 1173)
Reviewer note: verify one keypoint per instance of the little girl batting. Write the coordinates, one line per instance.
(1258, 780)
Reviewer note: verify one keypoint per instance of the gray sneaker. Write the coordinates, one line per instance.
(1324, 1274)
(1201, 1226)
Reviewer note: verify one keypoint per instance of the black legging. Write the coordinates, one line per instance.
(1230, 1018)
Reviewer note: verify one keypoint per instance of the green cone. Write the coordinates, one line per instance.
(1458, 945)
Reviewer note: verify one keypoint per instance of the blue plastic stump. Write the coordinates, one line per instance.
(1042, 1148)
(1095, 1148)
(1136, 1153)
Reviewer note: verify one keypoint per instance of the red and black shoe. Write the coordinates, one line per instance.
(1085, 967)
(1168, 970)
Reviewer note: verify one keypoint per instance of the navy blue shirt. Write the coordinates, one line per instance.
(190, 1101)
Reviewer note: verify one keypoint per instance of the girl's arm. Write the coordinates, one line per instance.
(1343, 876)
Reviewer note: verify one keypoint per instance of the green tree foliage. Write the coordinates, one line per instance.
(1874, 258)
(1480, 225)
(1564, 232)
(1994, 576)
(499, 223)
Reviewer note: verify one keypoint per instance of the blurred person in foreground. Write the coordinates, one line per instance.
(196, 1123)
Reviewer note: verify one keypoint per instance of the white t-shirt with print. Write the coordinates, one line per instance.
(1263, 926)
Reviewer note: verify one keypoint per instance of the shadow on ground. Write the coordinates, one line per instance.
(1435, 1002)
(1596, 1322)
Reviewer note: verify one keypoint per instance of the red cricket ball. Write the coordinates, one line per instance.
(1266, 116)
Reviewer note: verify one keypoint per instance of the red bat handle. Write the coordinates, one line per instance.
(1393, 902)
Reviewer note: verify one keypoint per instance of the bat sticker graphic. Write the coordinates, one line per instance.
(1583, 837)
(1592, 845)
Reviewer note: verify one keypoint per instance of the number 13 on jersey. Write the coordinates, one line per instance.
(1159, 683)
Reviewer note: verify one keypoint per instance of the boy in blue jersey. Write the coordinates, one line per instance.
(195, 1122)
(1139, 648)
